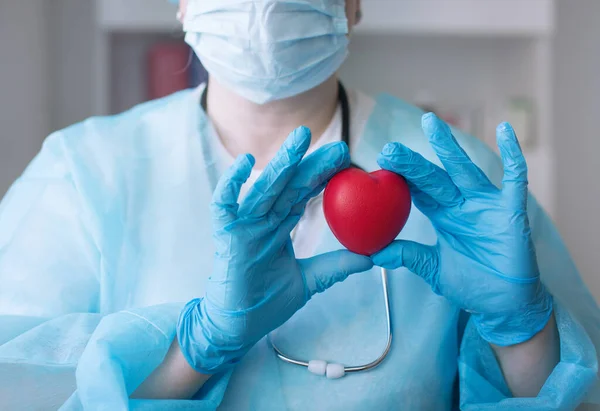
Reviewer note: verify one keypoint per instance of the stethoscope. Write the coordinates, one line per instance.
(321, 367)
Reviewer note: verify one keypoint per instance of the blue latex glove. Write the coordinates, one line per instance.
(484, 260)
(257, 283)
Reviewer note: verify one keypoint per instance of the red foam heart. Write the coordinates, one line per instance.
(366, 211)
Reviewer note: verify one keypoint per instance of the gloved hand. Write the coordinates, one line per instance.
(484, 260)
(257, 283)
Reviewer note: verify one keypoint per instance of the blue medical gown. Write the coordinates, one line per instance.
(107, 234)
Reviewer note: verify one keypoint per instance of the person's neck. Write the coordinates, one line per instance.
(246, 127)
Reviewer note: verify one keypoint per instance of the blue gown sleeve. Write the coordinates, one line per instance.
(124, 349)
(58, 348)
(574, 381)
(48, 274)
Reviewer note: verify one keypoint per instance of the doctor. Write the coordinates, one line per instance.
(149, 254)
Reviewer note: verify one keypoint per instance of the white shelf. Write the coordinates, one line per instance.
(449, 17)
(459, 17)
(137, 15)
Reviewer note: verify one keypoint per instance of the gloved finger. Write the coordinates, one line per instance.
(298, 209)
(224, 203)
(420, 173)
(325, 270)
(311, 175)
(283, 231)
(465, 174)
(420, 259)
(421, 200)
(276, 175)
(514, 183)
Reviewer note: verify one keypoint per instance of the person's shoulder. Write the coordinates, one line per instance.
(402, 120)
(145, 130)
(395, 120)
(105, 150)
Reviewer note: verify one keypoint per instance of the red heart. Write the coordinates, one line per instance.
(366, 211)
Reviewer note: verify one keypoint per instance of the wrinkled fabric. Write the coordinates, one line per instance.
(484, 388)
(267, 50)
(107, 235)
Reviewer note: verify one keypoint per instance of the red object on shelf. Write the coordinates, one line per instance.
(168, 69)
(366, 211)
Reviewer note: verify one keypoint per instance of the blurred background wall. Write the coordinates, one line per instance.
(576, 133)
(25, 107)
(59, 65)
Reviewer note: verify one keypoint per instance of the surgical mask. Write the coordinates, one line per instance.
(267, 50)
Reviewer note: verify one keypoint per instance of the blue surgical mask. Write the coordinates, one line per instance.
(267, 50)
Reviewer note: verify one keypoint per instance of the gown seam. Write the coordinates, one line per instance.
(148, 321)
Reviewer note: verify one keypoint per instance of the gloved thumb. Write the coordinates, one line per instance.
(422, 260)
(323, 271)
